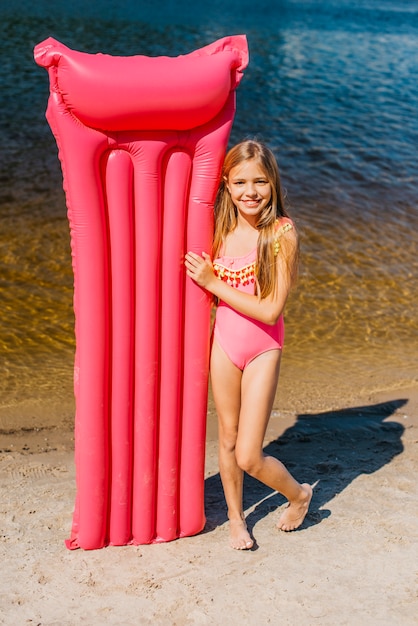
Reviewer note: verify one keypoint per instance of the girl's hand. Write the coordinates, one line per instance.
(200, 269)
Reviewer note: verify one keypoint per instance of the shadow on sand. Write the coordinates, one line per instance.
(331, 448)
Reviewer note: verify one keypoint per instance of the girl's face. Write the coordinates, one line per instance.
(249, 188)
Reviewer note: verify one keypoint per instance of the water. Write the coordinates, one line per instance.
(332, 87)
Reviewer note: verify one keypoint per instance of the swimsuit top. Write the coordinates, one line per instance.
(239, 272)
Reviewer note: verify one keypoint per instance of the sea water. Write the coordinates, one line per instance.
(332, 87)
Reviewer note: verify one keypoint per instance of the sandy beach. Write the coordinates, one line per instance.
(354, 561)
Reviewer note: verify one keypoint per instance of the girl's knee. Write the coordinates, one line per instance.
(249, 461)
(227, 442)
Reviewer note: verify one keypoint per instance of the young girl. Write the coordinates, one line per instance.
(255, 252)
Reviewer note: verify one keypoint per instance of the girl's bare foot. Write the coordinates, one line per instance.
(239, 536)
(295, 512)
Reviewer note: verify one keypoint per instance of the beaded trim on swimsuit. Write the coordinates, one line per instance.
(244, 275)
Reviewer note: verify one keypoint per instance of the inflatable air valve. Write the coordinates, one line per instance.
(141, 142)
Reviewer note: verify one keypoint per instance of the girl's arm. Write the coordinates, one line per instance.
(267, 310)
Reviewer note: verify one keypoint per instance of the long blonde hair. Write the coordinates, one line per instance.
(226, 216)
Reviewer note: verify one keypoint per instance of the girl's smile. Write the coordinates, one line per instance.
(249, 188)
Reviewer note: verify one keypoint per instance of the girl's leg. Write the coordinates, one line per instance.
(259, 382)
(226, 389)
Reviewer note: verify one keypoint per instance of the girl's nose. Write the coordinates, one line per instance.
(251, 190)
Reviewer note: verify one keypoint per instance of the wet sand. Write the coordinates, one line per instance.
(354, 560)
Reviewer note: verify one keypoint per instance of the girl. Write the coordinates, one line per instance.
(255, 252)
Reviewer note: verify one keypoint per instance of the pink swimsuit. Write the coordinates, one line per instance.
(243, 338)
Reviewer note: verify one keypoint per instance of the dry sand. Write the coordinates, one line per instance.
(354, 561)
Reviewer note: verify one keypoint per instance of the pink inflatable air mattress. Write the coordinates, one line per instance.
(141, 142)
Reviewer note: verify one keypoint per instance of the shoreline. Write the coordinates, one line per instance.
(44, 426)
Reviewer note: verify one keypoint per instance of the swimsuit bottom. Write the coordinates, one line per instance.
(242, 338)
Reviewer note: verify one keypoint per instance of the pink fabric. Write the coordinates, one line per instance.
(240, 337)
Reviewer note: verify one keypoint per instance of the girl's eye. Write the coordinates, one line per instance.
(256, 182)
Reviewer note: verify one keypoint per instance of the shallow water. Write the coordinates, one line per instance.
(332, 87)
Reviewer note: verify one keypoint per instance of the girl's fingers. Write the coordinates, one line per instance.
(195, 260)
(191, 257)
